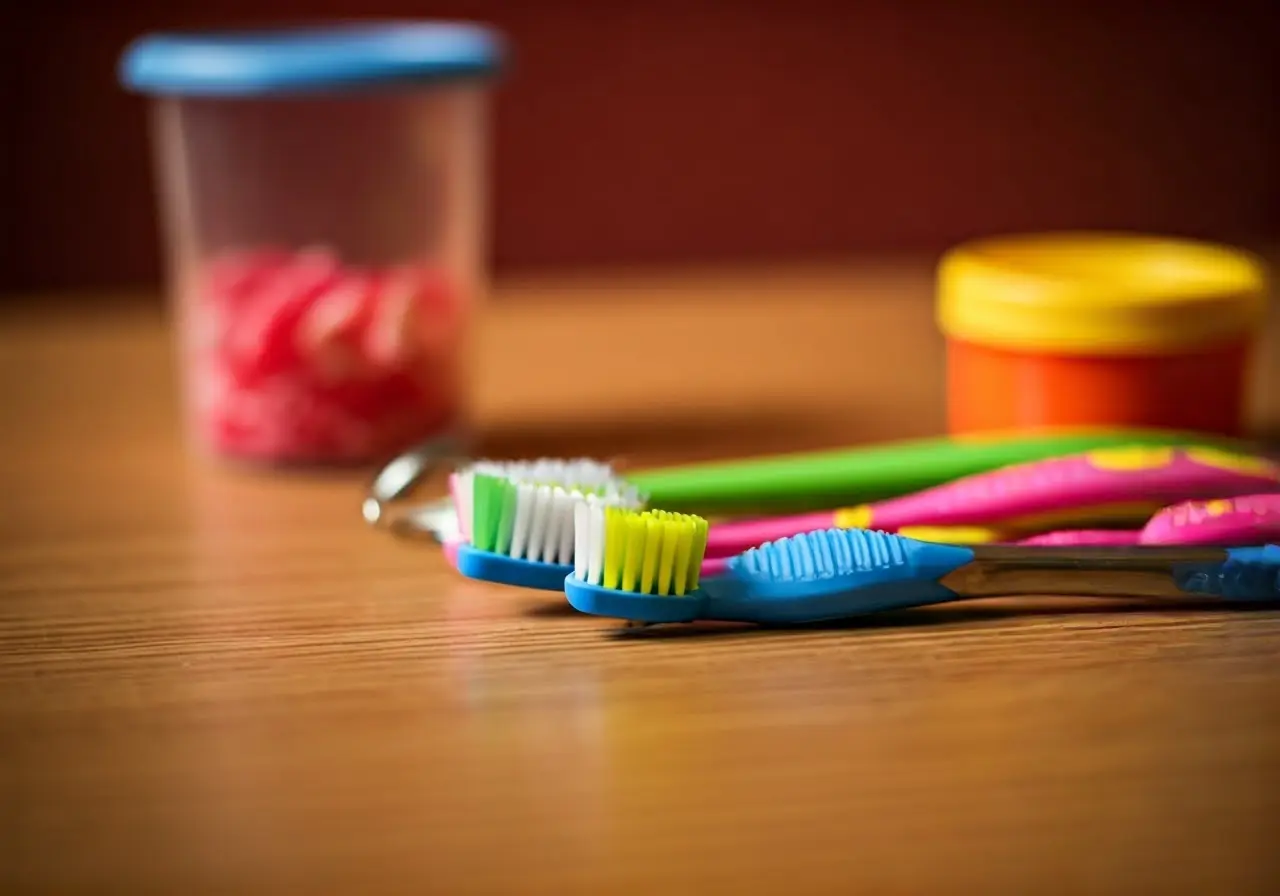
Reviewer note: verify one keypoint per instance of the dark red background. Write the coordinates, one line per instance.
(660, 131)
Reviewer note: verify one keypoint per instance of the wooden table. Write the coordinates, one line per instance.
(218, 682)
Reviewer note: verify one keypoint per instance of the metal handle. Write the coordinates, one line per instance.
(1001, 571)
(398, 480)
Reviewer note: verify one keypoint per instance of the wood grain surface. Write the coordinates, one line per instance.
(215, 681)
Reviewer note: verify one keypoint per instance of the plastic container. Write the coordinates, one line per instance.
(1080, 329)
(323, 194)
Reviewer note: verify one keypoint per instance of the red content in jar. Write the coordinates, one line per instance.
(301, 359)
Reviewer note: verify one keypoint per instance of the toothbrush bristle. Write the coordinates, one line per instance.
(531, 521)
(821, 555)
(646, 552)
(583, 475)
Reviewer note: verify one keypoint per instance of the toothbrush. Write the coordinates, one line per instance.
(1109, 485)
(639, 567)
(1245, 519)
(1242, 520)
(816, 480)
(1084, 537)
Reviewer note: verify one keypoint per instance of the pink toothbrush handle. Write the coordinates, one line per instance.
(1085, 538)
(730, 539)
(1229, 522)
(1115, 484)
(714, 566)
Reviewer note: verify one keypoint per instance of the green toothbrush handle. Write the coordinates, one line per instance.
(828, 479)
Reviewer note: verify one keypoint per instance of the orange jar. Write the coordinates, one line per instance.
(1080, 329)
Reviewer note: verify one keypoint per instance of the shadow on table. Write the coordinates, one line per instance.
(933, 617)
(554, 608)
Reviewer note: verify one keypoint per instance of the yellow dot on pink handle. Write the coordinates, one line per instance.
(951, 534)
(1130, 458)
(1235, 463)
(853, 517)
(1219, 507)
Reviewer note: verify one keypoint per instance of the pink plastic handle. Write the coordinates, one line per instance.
(1077, 491)
(1228, 522)
(731, 539)
(1126, 484)
(714, 566)
(1085, 538)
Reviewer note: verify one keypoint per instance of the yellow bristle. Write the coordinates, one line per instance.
(652, 549)
(615, 546)
(667, 561)
(684, 547)
(697, 549)
(634, 533)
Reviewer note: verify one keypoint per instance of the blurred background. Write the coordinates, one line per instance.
(636, 133)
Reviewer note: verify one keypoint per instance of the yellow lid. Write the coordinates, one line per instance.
(1099, 293)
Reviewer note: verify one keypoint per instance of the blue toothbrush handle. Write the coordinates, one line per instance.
(807, 578)
(1246, 574)
(1234, 574)
(837, 574)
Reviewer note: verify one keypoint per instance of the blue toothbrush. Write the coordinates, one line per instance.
(841, 573)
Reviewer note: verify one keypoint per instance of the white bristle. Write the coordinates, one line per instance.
(581, 538)
(557, 519)
(550, 541)
(523, 519)
(574, 473)
(595, 549)
(538, 527)
(463, 502)
(565, 537)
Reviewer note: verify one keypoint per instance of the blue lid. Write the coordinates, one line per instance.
(294, 60)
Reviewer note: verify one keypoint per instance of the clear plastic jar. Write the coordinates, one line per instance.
(323, 196)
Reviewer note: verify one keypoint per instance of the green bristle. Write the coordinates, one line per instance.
(487, 501)
(506, 516)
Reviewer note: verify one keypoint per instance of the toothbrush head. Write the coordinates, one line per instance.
(828, 574)
(837, 561)
(520, 531)
(638, 565)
